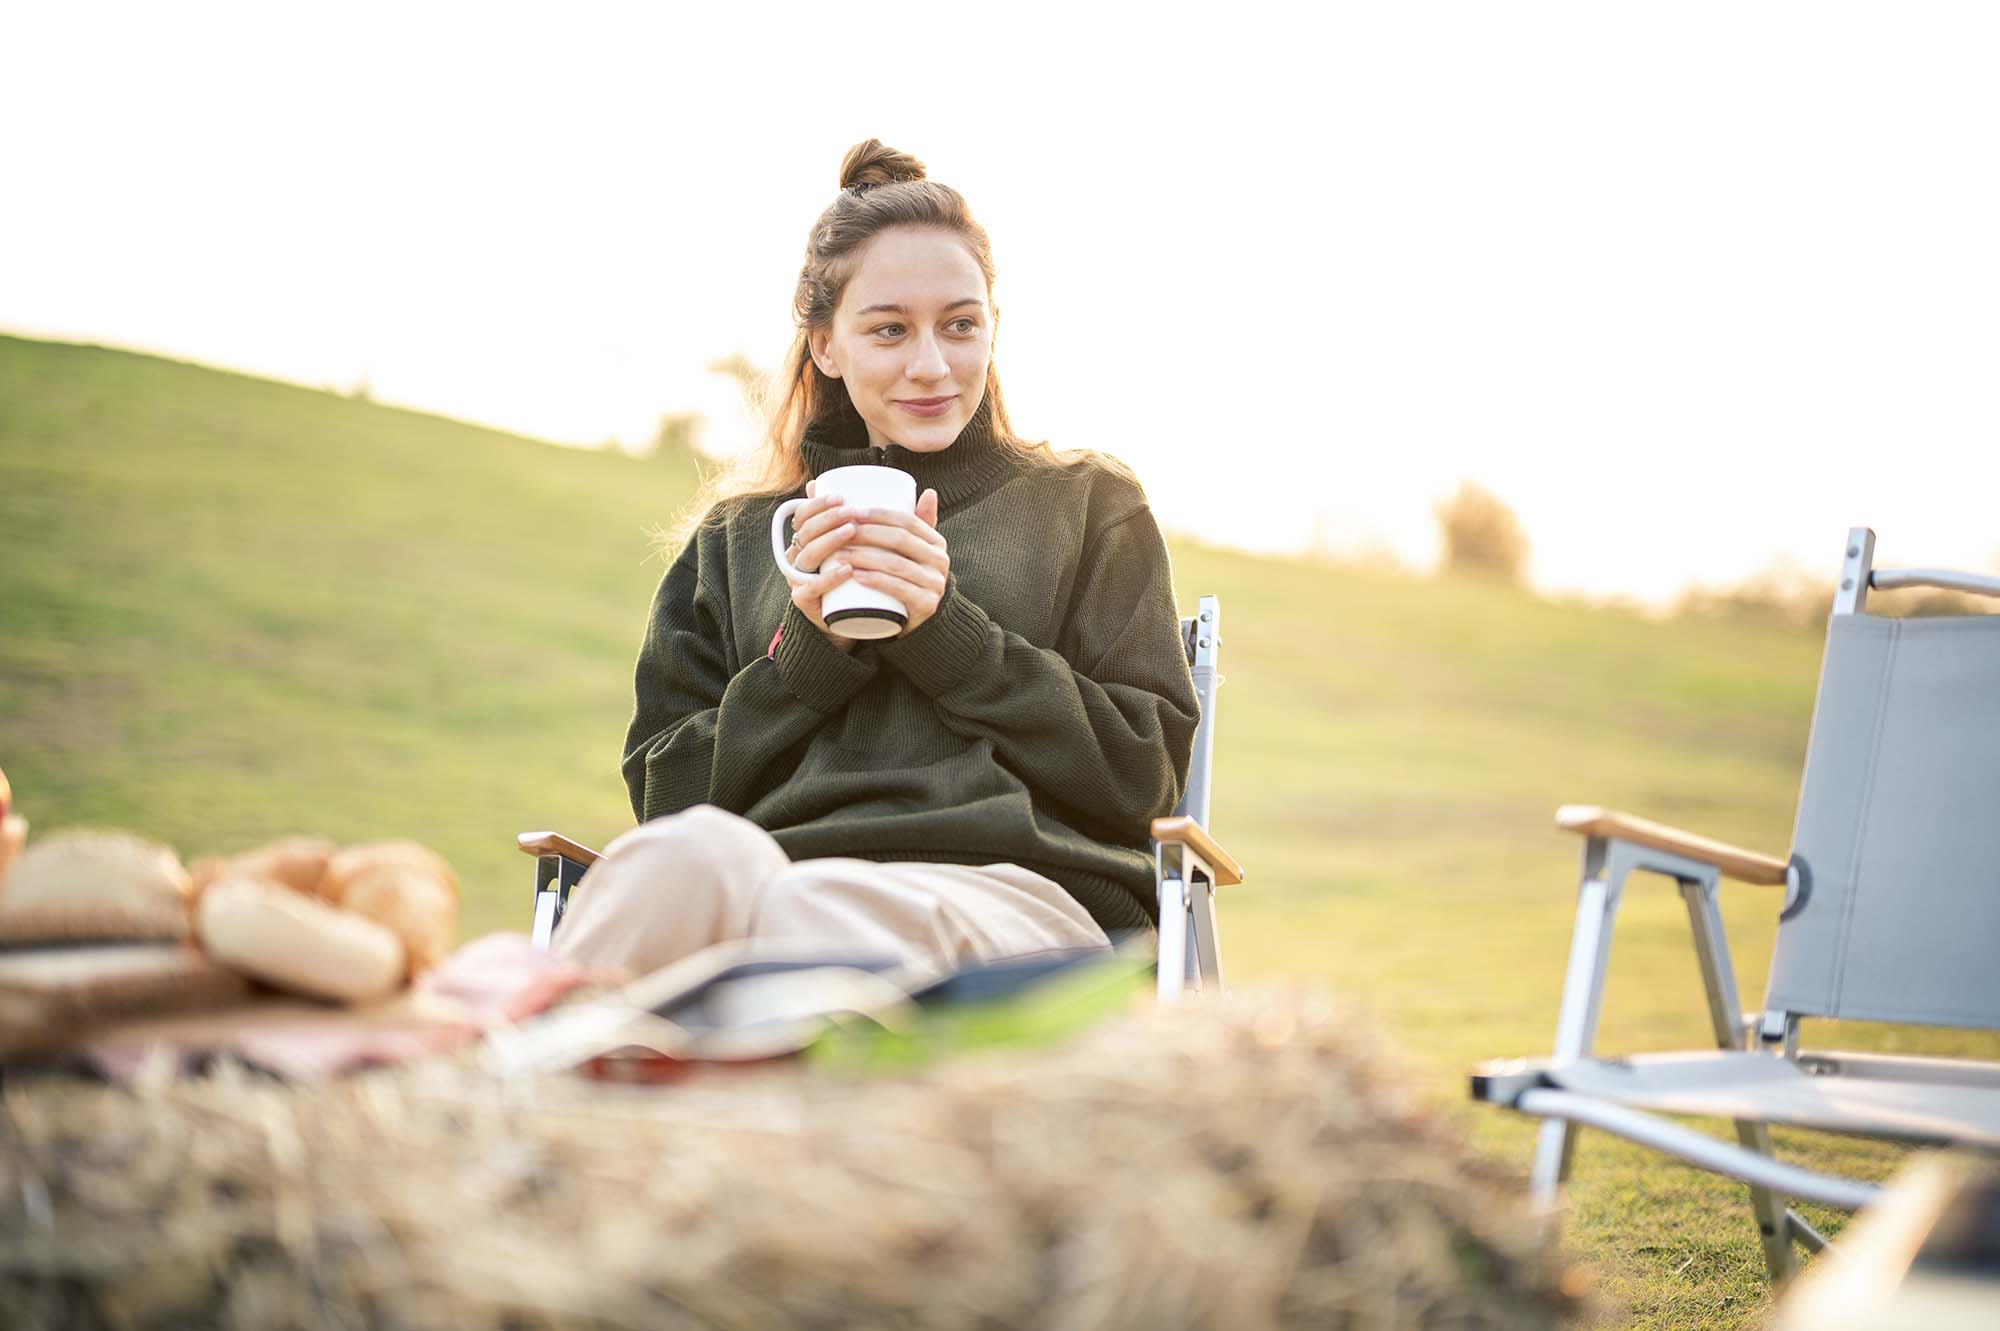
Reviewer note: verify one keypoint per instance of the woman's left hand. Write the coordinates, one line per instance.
(904, 555)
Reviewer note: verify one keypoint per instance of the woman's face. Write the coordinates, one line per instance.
(911, 338)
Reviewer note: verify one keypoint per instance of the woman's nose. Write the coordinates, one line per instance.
(927, 360)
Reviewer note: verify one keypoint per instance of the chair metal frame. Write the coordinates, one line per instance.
(1189, 863)
(1617, 846)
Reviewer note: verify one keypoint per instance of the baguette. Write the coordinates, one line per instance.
(268, 931)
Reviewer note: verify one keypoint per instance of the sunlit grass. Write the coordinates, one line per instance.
(231, 609)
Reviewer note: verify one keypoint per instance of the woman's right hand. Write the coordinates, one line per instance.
(820, 529)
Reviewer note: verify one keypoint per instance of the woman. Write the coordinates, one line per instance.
(980, 786)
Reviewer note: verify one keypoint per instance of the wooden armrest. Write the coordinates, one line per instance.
(1746, 866)
(1185, 831)
(549, 843)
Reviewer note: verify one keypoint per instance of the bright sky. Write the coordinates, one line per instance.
(1694, 287)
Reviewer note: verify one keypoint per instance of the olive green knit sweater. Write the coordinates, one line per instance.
(1042, 717)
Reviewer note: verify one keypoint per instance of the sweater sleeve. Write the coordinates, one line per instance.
(704, 731)
(1107, 730)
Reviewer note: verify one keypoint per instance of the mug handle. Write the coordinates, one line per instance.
(793, 573)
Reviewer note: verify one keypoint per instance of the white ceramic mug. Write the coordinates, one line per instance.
(852, 610)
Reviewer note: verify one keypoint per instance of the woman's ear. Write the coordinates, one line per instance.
(817, 340)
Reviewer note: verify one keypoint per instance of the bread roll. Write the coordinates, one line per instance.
(207, 871)
(126, 886)
(298, 862)
(348, 865)
(406, 887)
(411, 903)
(269, 931)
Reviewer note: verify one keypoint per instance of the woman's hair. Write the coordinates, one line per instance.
(880, 188)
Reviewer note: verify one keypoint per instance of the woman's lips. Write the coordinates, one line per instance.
(926, 406)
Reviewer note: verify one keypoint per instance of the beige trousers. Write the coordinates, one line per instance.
(670, 887)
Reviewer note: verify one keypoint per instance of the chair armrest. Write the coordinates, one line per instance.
(1745, 866)
(549, 843)
(1185, 831)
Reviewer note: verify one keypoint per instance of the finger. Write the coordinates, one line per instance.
(914, 596)
(902, 540)
(815, 553)
(875, 557)
(820, 524)
(809, 592)
(865, 559)
(800, 517)
(890, 517)
(817, 519)
(927, 508)
(812, 488)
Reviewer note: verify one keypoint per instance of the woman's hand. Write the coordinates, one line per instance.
(820, 529)
(904, 555)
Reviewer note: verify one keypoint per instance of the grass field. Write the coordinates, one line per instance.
(231, 608)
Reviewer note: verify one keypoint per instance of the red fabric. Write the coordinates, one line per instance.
(776, 638)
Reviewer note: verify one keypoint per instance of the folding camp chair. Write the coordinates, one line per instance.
(1189, 864)
(1891, 913)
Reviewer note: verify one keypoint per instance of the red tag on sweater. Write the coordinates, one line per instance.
(776, 638)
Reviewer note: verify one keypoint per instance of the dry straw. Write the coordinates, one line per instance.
(1250, 1164)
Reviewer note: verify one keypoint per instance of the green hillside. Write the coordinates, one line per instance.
(231, 608)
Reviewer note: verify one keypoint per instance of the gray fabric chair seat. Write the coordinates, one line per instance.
(1946, 1106)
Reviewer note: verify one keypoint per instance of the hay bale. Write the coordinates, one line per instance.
(1254, 1163)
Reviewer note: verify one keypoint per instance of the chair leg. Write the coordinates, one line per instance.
(1172, 967)
(555, 876)
(1205, 957)
(1774, 1218)
(1583, 996)
(1775, 1222)
(545, 920)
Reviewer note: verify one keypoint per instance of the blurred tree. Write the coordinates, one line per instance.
(751, 380)
(1482, 535)
(677, 436)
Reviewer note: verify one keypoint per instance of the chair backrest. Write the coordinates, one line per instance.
(1202, 637)
(1893, 911)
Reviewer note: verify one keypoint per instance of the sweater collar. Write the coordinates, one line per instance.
(840, 439)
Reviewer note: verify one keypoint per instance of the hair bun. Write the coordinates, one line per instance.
(874, 162)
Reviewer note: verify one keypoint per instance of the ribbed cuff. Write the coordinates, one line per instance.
(818, 673)
(940, 653)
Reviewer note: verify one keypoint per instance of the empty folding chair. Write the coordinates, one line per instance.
(1890, 913)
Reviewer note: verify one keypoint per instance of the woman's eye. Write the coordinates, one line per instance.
(963, 326)
(889, 330)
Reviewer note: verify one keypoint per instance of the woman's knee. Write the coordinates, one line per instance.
(668, 888)
(694, 853)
